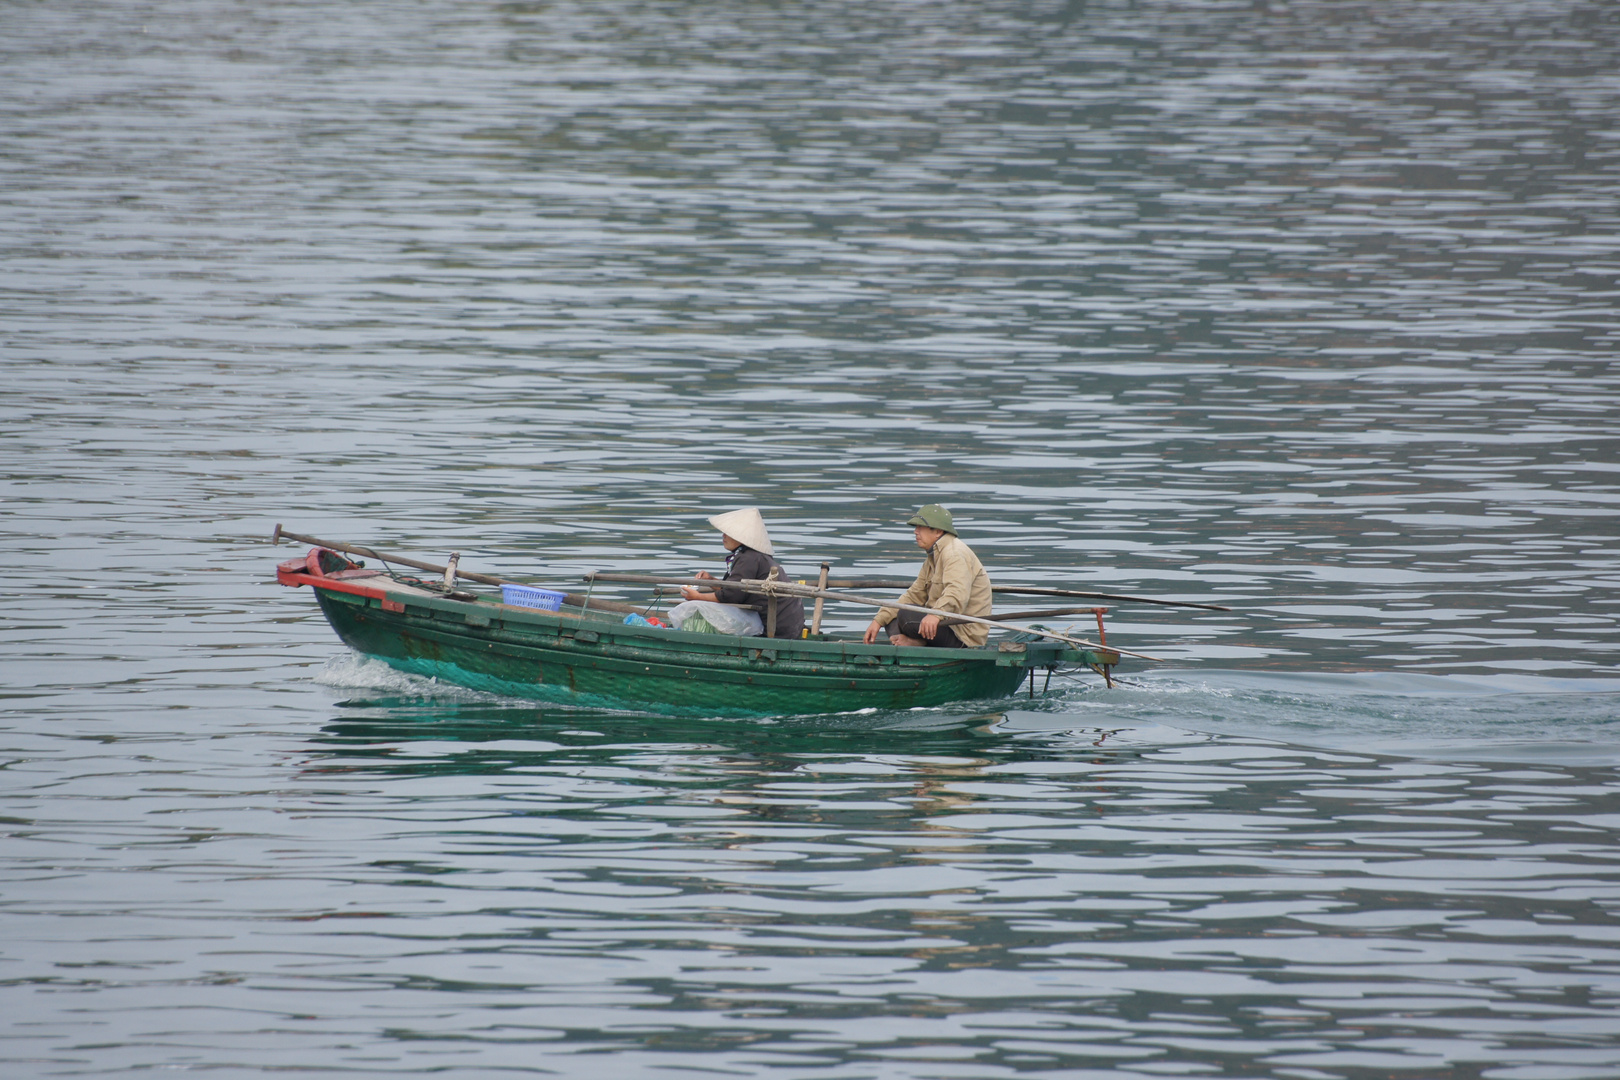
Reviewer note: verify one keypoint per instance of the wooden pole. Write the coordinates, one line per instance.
(574, 599)
(775, 588)
(821, 583)
(1026, 590)
(770, 610)
(356, 549)
(1009, 616)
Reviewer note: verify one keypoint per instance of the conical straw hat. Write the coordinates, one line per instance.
(745, 526)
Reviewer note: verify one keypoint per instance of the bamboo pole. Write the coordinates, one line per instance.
(815, 619)
(1027, 590)
(770, 606)
(573, 599)
(820, 592)
(783, 588)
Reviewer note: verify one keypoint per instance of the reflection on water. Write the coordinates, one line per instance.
(1303, 307)
(828, 896)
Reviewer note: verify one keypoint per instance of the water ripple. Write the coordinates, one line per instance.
(1307, 308)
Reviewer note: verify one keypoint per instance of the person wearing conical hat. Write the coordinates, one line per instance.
(751, 557)
(951, 579)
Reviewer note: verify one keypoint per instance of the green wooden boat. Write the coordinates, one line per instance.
(584, 655)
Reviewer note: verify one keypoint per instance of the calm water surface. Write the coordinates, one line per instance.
(1305, 308)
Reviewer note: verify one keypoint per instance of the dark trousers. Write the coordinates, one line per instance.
(909, 623)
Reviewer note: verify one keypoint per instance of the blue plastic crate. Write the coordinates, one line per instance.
(528, 596)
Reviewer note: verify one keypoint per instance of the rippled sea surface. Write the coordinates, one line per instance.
(1310, 309)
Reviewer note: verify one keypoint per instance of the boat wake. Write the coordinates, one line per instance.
(1519, 717)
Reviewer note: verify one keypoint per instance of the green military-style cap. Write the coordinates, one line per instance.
(934, 516)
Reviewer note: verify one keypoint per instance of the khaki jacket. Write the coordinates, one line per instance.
(951, 579)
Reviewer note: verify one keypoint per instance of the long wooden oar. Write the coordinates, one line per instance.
(1027, 590)
(1004, 616)
(356, 549)
(785, 588)
(574, 599)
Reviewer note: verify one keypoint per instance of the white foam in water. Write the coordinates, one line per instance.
(354, 671)
(1476, 716)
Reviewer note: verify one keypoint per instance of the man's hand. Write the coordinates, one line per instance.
(929, 627)
(872, 632)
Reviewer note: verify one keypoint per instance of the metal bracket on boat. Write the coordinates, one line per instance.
(588, 637)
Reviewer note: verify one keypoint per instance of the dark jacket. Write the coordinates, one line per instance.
(745, 562)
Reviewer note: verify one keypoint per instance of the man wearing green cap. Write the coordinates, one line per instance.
(951, 579)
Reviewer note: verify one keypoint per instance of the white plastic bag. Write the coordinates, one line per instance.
(720, 618)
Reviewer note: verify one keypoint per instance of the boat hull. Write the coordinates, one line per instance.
(600, 662)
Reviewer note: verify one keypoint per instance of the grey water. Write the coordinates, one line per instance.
(1305, 308)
